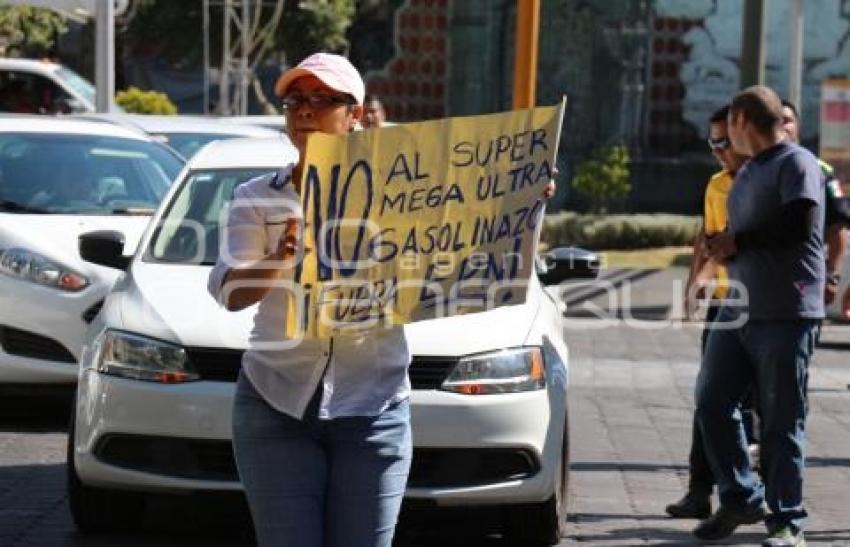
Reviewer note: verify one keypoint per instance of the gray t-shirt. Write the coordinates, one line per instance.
(782, 283)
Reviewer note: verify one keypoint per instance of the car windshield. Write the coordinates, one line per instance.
(187, 144)
(82, 174)
(188, 231)
(77, 83)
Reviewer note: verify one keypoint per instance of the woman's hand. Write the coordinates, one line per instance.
(287, 247)
(551, 187)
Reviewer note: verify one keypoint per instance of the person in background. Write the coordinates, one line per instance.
(373, 112)
(837, 210)
(773, 248)
(706, 273)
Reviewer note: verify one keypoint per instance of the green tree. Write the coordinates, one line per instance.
(173, 31)
(139, 101)
(27, 31)
(314, 25)
(604, 177)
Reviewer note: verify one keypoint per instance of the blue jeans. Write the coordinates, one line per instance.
(774, 356)
(321, 483)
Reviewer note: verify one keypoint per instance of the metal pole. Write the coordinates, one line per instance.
(206, 27)
(104, 54)
(243, 58)
(224, 80)
(795, 57)
(752, 44)
(525, 53)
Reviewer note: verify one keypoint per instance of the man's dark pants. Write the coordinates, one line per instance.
(774, 355)
(702, 480)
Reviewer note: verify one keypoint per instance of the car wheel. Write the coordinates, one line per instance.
(543, 523)
(98, 509)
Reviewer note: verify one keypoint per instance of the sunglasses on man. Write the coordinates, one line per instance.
(317, 101)
(718, 144)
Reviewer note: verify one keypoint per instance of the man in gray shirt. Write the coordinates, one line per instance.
(765, 334)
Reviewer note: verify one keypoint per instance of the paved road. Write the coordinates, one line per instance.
(631, 408)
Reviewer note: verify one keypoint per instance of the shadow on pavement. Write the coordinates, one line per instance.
(658, 536)
(625, 466)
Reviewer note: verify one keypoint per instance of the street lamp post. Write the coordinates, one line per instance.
(104, 55)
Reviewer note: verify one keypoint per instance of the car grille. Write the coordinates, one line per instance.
(455, 467)
(183, 458)
(218, 365)
(222, 365)
(213, 460)
(27, 344)
(429, 372)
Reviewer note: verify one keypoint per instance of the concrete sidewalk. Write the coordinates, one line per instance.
(631, 404)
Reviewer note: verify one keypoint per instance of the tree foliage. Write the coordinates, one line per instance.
(173, 31)
(27, 31)
(138, 101)
(604, 177)
(314, 25)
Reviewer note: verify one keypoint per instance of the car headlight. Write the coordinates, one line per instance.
(505, 371)
(141, 358)
(35, 268)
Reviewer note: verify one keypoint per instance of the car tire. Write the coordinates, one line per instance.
(542, 523)
(99, 510)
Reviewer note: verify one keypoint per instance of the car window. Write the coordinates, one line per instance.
(82, 174)
(77, 83)
(187, 144)
(188, 231)
(25, 93)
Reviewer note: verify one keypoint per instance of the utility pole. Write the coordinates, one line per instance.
(104, 54)
(795, 56)
(525, 53)
(752, 43)
(206, 30)
(226, 63)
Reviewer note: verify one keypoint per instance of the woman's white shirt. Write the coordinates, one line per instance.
(360, 375)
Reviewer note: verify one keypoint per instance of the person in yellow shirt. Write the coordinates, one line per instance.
(708, 274)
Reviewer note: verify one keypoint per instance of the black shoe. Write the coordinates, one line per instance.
(722, 523)
(691, 506)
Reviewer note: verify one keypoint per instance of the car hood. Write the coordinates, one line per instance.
(504, 327)
(171, 302)
(56, 236)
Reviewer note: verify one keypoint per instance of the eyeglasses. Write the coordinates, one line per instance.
(718, 144)
(294, 101)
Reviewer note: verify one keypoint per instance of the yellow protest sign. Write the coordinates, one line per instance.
(422, 220)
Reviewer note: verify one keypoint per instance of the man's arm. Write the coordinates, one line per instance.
(792, 225)
(836, 242)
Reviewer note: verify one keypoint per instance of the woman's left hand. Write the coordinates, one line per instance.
(551, 187)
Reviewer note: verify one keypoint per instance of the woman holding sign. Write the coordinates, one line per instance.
(321, 427)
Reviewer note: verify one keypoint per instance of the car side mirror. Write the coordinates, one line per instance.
(564, 263)
(104, 247)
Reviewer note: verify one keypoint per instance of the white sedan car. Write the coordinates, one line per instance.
(185, 134)
(153, 408)
(58, 179)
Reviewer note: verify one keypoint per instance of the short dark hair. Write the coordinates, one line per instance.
(760, 106)
(720, 115)
(789, 105)
(372, 97)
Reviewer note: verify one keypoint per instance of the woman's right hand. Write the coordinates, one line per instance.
(287, 246)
